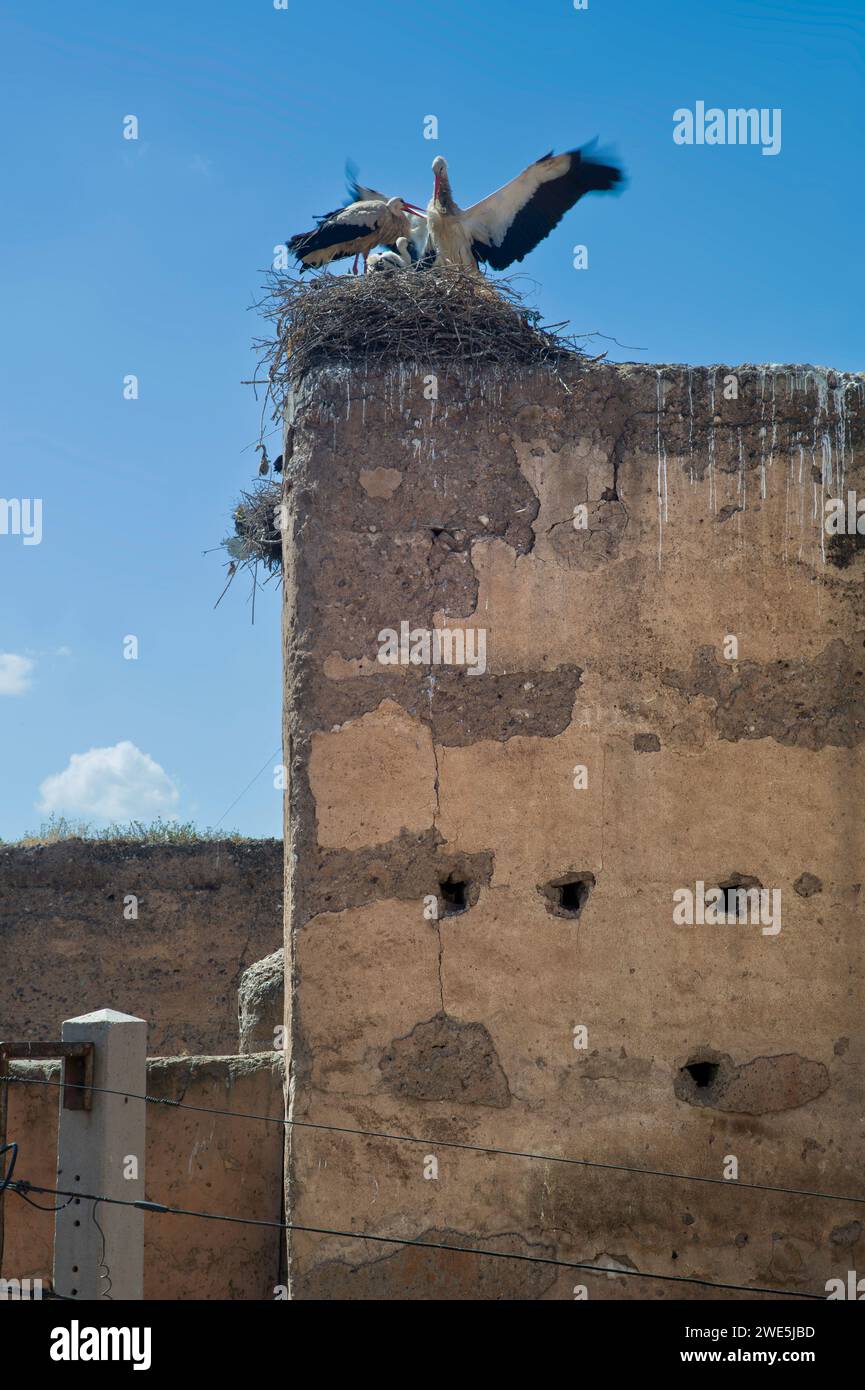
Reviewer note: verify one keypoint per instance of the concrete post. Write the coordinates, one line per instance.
(99, 1248)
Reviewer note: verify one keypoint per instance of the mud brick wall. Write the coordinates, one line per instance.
(203, 1162)
(483, 869)
(206, 911)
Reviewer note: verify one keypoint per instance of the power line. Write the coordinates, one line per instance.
(247, 787)
(160, 1208)
(449, 1143)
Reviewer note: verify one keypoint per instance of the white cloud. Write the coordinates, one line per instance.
(15, 673)
(119, 783)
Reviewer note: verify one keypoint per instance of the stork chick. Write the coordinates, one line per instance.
(400, 259)
(510, 223)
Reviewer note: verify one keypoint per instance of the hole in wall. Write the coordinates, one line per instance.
(454, 893)
(738, 901)
(702, 1074)
(567, 896)
(573, 896)
(703, 1077)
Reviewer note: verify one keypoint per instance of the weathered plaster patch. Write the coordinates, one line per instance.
(841, 551)
(413, 1272)
(444, 1059)
(458, 707)
(762, 1086)
(465, 708)
(809, 704)
(647, 743)
(380, 482)
(408, 868)
(847, 1235)
(807, 885)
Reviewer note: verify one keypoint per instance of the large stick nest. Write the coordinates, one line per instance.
(256, 534)
(432, 318)
(440, 317)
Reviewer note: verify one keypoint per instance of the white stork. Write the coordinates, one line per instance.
(510, 223)
(400, 259)
(353, 231)
(417, 237)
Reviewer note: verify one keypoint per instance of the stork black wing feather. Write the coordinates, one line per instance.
(546, 208)
(325, 235)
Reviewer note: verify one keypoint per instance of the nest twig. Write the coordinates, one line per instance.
(257, 539)
(435, 317)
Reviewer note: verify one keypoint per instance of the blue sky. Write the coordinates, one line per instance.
(144, 256)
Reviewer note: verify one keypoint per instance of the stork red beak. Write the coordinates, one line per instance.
(412, 207)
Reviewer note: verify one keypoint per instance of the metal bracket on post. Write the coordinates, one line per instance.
(77, 1061)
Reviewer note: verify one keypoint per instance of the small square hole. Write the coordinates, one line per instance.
(572, 896)
(454, 895)
(568, 895)
(737, 908)
(703, 1074)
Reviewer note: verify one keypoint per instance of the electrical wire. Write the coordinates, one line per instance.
(102, 1265)
(6, 1178)
(260, 770)
(454, 1144)
(550, 1260)
(61, 1206)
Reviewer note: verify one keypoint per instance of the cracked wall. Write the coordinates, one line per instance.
(608, 530)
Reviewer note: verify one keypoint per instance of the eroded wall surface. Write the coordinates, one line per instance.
(483, 869)
(161, 932)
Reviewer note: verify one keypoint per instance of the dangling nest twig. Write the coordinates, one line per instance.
(256, 534)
